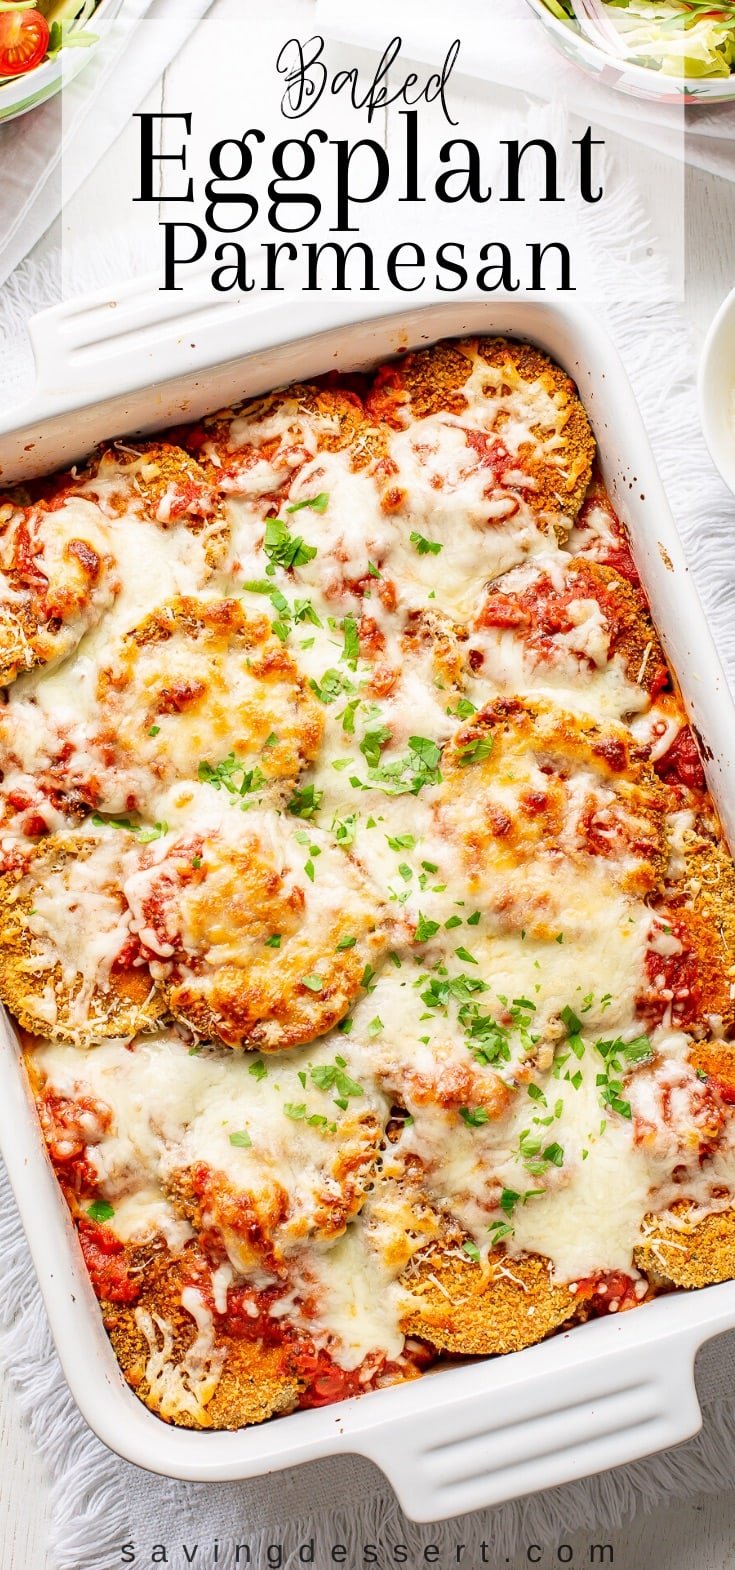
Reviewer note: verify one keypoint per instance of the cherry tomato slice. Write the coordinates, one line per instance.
(24, 39)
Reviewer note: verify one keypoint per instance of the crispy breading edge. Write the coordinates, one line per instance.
(132, 1003)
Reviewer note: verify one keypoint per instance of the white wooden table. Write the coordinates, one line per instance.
(698, 1535)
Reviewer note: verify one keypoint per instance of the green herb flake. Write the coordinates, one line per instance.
(314, 983)
(423, 546)
(100, 1210)
(474, 1117)
(284, 549)
(241, 1139)
(425, 929)
(315, 503)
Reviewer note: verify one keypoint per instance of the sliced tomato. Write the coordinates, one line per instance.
(24, 40)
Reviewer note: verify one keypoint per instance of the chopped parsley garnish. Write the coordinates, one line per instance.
(100, 1210)
(232, 774)
(143, 834)
(345, 829)
(474, 1117)
(475, 751)
(284, 549)
(331, 686)
(407, 775)
(316, 503)
(425, 929)
(423, 546)
(147, 836)
(374, 740)
(313, 983)
(472, 1251)
(274, 941)
(465, 956)
(498, 1231)
(332, 1076)
(295, 1110)
(619, 1057)
(347, 942)
(464, 709)
(241, 1139)
(569, 1018)
(351, 650)
(258, 1069)
(348, 717)
(154, 730)
(304, 803)
(401, 841)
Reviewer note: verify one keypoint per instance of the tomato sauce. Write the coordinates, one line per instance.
(107, 1262)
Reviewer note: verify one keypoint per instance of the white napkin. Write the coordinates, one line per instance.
(47, 154)
(504, 43)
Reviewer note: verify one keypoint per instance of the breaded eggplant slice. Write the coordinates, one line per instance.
(58, 576)
(689, 1254)
(67, 964)
(574, 624)
(690, 963)
(260, 931)
(201, 689)
(261, 1161)
(533, 797)
(463, 1309)
(161, 482)
(259, 447)
(183, 1365)
(521, 413)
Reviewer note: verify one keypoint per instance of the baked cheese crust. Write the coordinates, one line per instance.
(360, 888)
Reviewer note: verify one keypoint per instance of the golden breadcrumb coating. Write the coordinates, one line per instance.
(58, 576)
(462, 1308)
(54, 909)
(198, 682)
(265, 940)
(531, 792)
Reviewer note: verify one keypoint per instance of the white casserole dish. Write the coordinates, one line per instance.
(464, 1437)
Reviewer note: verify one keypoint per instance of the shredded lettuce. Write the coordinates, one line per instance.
(689, 38)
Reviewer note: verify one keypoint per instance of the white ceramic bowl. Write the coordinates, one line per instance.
(24, 93)
(717, 390)
(637, 80)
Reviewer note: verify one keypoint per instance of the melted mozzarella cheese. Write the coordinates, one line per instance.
(522, 946)
(261, 1135)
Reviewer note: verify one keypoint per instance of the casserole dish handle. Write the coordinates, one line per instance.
(583, 1403)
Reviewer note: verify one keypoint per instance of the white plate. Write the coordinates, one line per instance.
(460, 1438)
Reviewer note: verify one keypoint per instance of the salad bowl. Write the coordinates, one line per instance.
(20, 94)
(619, 71)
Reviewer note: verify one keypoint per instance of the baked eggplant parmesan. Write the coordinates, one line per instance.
(364, 913)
